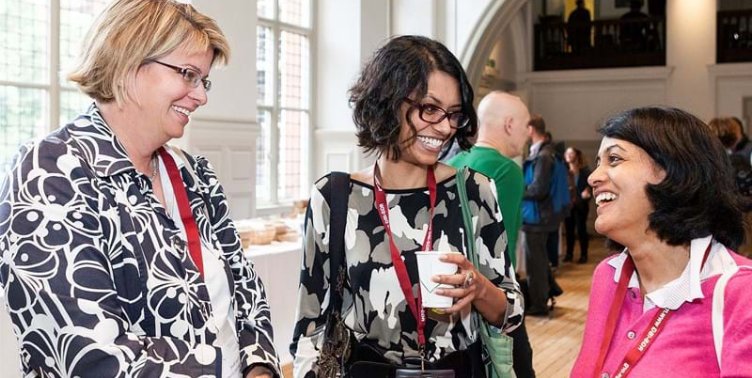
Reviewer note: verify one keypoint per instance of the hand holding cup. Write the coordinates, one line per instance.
(463, 285)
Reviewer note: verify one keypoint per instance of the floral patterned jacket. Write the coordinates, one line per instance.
(98, 281)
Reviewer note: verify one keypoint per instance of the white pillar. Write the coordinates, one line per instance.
(690, 49)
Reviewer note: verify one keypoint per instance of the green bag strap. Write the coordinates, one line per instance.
(467, 219)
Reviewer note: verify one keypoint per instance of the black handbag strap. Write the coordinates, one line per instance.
(339, 190)
(335, 350)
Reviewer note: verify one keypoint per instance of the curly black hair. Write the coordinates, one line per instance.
(698, 196)
(397, 70)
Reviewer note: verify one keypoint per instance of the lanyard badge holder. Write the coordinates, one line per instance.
(413, 302)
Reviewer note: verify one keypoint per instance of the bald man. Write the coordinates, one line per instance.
(502, 135)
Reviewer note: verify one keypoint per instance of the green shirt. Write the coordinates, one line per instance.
(510, 185)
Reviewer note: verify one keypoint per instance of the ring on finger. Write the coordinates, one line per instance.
(469, 278)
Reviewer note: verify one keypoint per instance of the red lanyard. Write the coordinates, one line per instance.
(415, 304)
(648, 335)
(186, 215)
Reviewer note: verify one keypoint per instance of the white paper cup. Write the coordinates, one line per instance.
(429, 265)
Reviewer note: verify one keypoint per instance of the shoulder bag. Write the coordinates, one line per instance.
(497, 347)
(337, 339)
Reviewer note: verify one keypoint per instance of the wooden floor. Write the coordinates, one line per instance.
(556, 339)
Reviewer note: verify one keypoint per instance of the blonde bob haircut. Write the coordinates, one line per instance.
(130, 33)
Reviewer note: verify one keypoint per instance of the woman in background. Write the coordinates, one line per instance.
(666, 197)
(118, 256)
(730, 132)
(578, 172)
(410, 101)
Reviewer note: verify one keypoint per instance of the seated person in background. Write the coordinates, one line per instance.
(411, 99)
(665, 195)
(118, 256)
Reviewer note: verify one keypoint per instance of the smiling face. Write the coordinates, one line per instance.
(424, 148)
(623, 170)
(165, 99)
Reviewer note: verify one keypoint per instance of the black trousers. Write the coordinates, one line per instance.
(522, 353)
(538, 271)
(577, 219)
(552, 248)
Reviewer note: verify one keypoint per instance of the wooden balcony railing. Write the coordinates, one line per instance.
(605, 43)
(734, 36)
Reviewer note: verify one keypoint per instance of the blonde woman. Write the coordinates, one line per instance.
(118, 256)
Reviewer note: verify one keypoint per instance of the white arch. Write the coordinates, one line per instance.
(497, 18)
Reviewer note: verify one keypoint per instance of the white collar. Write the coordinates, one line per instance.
(686, 287)
(535, 147)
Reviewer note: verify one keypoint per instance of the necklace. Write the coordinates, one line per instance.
(155, 167)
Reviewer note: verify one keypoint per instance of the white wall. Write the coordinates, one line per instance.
(346, 36)
(731, 84)
(225, 130)
(690, 49)
(575, 102)
(338, 61)
(413, 17)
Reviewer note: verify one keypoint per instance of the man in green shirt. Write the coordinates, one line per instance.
(502, 135)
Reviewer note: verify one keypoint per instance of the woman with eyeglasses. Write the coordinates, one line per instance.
(118, 256)
(411, 100)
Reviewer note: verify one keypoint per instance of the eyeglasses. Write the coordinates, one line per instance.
(434, 114)
(191, 76)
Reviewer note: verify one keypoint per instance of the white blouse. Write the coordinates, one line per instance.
(214, 277)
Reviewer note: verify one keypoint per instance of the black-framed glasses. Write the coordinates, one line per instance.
(434, 114)
(190, 75)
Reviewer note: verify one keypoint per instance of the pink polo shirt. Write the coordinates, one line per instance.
(685, 346)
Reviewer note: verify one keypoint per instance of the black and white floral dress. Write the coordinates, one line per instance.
(98, 280)
(374, 307)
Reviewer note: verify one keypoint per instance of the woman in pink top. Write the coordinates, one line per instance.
(666, 199)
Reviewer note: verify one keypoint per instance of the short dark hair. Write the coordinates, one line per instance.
(727, 129)
(538, 124)
(698, 196)
(397, 70)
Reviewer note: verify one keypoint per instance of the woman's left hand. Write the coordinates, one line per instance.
(468, 283)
